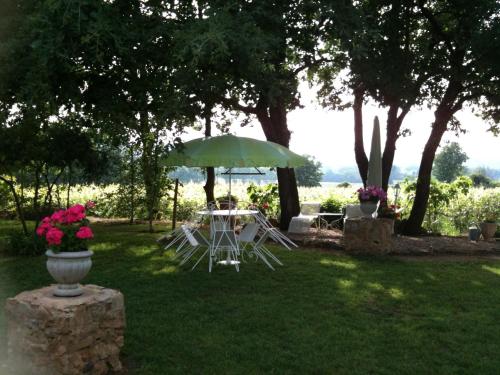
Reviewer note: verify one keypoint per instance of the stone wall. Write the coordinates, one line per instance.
(54, 335)
(368, 236)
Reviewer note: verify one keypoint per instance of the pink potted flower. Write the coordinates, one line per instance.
(68, 258)
(369, 198)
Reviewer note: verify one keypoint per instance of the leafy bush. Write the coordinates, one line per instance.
(479, 205)
(226, 197)
(186, 208)
(480, 179)
(333, 204)
(266, 198)
(441, 196)
(18, 244)
(344, 185)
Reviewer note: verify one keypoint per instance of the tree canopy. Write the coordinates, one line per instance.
(310, 174)
(449, 163)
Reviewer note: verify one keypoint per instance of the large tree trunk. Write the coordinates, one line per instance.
(132, 185)
(147, 140)
(274, 124)
(392, 135)
(359, 148)
(413, 225)
(210, 182)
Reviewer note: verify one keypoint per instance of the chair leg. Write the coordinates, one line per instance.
(271, 255)
(258, 254)
(205, 253)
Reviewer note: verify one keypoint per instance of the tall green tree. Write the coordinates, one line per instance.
(387, 60)
(449, 163)
(464, 71)
(42, 131)
(260, 48)
(310, 174)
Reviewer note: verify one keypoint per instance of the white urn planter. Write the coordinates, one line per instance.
(68, 269)
(368, 207)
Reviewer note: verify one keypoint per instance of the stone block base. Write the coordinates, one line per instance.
(368, 236)
(55, 335)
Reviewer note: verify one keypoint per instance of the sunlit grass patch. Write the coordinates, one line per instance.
(337, 263)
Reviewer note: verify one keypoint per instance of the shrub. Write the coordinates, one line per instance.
(344, 185)
(18, 244)
(186, 208)
(266, 198)
(332, 204)
(473, 208)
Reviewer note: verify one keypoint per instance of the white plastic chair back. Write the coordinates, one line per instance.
(310, 208)
(353, 211)
(249, 232)
(192, 241)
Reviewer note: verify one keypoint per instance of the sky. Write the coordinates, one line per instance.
(329, 135)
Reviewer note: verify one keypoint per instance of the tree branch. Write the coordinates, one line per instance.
(435, 25)
(232, 103)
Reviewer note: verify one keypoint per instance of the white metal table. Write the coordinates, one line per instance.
(234, 212)
(228, 213)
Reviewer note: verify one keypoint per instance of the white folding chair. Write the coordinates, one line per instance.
(196, 241)
(247, 238)
(273, 233)
(263, 252)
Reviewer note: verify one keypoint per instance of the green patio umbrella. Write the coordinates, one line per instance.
(231, 151)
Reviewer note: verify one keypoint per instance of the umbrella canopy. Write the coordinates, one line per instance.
(375, 162)
(231, 151)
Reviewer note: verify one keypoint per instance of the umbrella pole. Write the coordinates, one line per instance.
(229, 198)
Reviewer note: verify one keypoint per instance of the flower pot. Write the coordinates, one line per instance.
(368, 207)
(68, 269)
(224, 205)
(488, 230)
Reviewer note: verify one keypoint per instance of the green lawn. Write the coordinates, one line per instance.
(320, 313)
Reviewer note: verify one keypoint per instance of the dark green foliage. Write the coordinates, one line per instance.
(332, 204)
(227, 198)
(480, 179)
(265, 197)
(309, 175)
(344, 185)
(18, 244)
(440, 196)
(449, 163)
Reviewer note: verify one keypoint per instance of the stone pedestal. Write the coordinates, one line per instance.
(368, 236)
(56, 335)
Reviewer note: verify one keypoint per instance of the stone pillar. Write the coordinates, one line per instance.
(56, 335)
(367, 235)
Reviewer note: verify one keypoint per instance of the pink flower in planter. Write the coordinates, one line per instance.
(89, 205)
(58, 216)
(54, 236)
(75, 213)
(84, 233)
(44, 226)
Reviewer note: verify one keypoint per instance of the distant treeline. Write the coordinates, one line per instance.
(345, 174)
